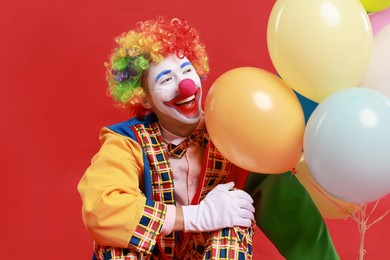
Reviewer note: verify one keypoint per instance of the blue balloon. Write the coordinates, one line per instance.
(308, 105)
(347, 145)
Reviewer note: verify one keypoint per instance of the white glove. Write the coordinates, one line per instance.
(221, 208)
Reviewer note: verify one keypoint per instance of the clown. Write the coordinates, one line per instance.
(158, 188)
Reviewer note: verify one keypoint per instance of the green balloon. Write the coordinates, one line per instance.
(375, 5)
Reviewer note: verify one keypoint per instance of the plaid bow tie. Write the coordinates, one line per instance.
(198, 137)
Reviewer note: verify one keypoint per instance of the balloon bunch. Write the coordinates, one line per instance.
(335, 55)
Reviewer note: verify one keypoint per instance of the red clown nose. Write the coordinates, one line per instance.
(187, 87)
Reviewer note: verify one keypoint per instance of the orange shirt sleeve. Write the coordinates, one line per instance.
(110, 190)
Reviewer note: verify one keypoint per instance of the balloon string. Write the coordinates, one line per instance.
(325, 195)
(379, 219)
(362, 221)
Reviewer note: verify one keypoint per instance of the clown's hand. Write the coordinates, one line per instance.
(221, 208)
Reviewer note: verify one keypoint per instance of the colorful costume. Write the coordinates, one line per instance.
(283, 208)
(158, 187)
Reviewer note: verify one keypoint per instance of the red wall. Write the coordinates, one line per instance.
(53, 105)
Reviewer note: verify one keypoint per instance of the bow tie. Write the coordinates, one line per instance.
(197, 137)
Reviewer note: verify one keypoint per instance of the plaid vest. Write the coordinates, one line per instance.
(214, 171)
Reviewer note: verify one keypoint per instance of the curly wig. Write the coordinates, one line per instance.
(151, 40)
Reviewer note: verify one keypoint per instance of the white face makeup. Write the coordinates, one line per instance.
(166, 99)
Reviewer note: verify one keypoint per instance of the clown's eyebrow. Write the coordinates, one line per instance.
(162, 73)
(187, 63)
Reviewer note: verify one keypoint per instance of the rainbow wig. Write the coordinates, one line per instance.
(151, 40)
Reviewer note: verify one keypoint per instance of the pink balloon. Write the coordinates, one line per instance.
(379, 20)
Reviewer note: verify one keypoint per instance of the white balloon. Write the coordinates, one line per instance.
(377, 76)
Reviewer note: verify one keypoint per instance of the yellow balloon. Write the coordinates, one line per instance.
(328, 206)
(255, 120)
(319, 46)
(375, 5)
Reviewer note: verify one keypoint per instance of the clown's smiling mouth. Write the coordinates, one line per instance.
(188, 106)
(186, 100)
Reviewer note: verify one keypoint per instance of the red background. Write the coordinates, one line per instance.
(53, 104)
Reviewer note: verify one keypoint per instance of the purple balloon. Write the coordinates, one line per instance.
(379, 20)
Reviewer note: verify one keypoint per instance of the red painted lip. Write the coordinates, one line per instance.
(190, 108)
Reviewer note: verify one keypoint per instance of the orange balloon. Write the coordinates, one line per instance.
(255, 120)
(328, 206)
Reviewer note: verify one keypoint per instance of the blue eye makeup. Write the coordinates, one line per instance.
(187, 63)
(162, 73)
